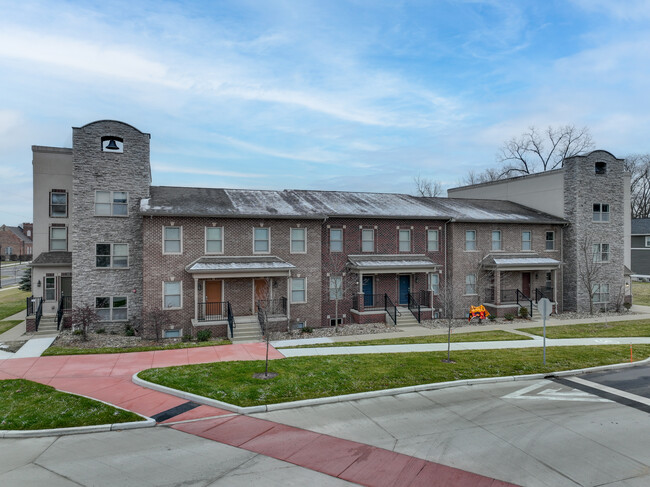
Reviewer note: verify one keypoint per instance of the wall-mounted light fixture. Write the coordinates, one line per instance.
(38, 284)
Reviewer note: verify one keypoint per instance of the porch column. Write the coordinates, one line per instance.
(196, 299)
(429, 288)
(555, 287)
(360, 296)
(497, 287)
(289, 297)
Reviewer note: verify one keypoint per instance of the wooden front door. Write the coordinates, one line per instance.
(525, 283)
(261, 291)
(214, 291)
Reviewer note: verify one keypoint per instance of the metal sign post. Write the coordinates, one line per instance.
(545, 307)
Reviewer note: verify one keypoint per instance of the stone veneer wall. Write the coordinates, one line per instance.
(105, 171)
(582, 188)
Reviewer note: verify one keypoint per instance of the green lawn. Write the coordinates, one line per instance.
(22, 408)
(54, 350)
(640, 328)
(323, 376)
(641, 293)
(479, 336)
(12, 301)
(8, 325)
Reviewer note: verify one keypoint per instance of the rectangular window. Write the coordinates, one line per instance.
(298, 240)
(171, 333)
(58, 203)
(432, 240)
(298, 290)
(470, 240)
(600, 293)
(600, 252)
(601, 212)
(333, 321)
(434, 283)
(58, 238)
(496, 240)
(261, 240)
(50, 290)
(336, 240)
(336, 287)
(111, 255)
(172, 295)
(470, 284)
(526, 240)
(214, 240)
(405, 240)
(550, 240)
(112, 308)
(111, 203)
(172, 240)
(367, 240)
(647, 241)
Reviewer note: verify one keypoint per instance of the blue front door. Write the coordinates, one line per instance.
(404, 289)
(368, 290)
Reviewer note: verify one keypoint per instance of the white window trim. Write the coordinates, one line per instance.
(110, 308)
(67, 204)
(530, 241)
(111, 203)
(112, 255)
(475, 285)
(163, 296)
(598, 286)
(372, 241)
(49, 242)
(598, 255)
(342, 240)
(45, 288)
(647, 241)
(177, 330)
(437, 241)
(291, 251)
(205, 239)
(180, 237)
(268, 251)
(399, 240)
(305, 291)
(554, 249)
(600, 213)
(500, 249)
(475, 249)
(431, 276)
(334, 290)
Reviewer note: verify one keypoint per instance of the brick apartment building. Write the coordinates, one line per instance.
(209, 258)
(16, 242)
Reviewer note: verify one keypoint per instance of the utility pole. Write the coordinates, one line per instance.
(0, 266)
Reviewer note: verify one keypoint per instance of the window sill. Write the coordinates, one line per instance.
(111, 216)
(112, 268)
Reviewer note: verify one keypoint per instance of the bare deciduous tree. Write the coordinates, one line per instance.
(591, 268)
(157, 319)
(340, 282)
(82, 318)
(427, 187)
(638, 165)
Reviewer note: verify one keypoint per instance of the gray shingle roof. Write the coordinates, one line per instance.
(19, 233)
(219, 202)
(53, 258)
(238, 264)
(641, 226)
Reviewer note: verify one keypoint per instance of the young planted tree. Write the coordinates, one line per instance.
(156, 319)
(83, 318)
(341, 283)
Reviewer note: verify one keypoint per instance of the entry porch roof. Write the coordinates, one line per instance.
(391, 264)
(521, 261)
(247, 266)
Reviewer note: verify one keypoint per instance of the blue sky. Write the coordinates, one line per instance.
(358, 95)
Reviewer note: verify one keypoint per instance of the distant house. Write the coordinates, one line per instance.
(641, 246)
(16, 242)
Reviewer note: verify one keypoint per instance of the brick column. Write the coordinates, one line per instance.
(497, 287)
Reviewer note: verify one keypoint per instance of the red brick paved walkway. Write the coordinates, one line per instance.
(108, 378)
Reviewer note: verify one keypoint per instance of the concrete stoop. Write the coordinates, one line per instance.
(246, 331)
(47, 326)
(406, 319)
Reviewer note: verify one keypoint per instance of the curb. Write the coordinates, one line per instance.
(370, 394)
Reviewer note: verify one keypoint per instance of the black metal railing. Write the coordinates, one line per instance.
(370, 301)
(213, 311)
(65, 304)
(32, 304)
(424, 298)
(525, 302)
(489, 295)
(509, 295)
(231, 321)
(414, 307)
(544, 292)
(274, 307)
(390, 308)
(39, 314)
(355, 302)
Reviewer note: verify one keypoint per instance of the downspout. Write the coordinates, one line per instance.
(446, 271)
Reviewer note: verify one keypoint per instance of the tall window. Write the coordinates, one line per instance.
(601, 212)
(111, 203)
(600, 293)
(298, 240)
(336, 287)
(367, 240)
(58, 238)
(261, 240)
(336, 240)
(405, 240)
(58, 203)
(50, 289)
(470, 240)
(112, 308)
(172, 291)
(214, 240)
(172, 240)
(496, 240)
(550, 240)
(298, 294)
(432, 241)
(434, 283)
(526, 240)
(600, 252)
(470, 284)
(111, 255)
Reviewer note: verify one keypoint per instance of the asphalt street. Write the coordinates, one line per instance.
(11, 274)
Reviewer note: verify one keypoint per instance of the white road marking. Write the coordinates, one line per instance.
(551, 394)
(611, 390)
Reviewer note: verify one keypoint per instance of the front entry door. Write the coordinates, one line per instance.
(214, 298)
(525, 283)
(404, 289)
(261, 291)
(368, 290)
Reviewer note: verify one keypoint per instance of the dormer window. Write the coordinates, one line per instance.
(601, 168)
(112, 144)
